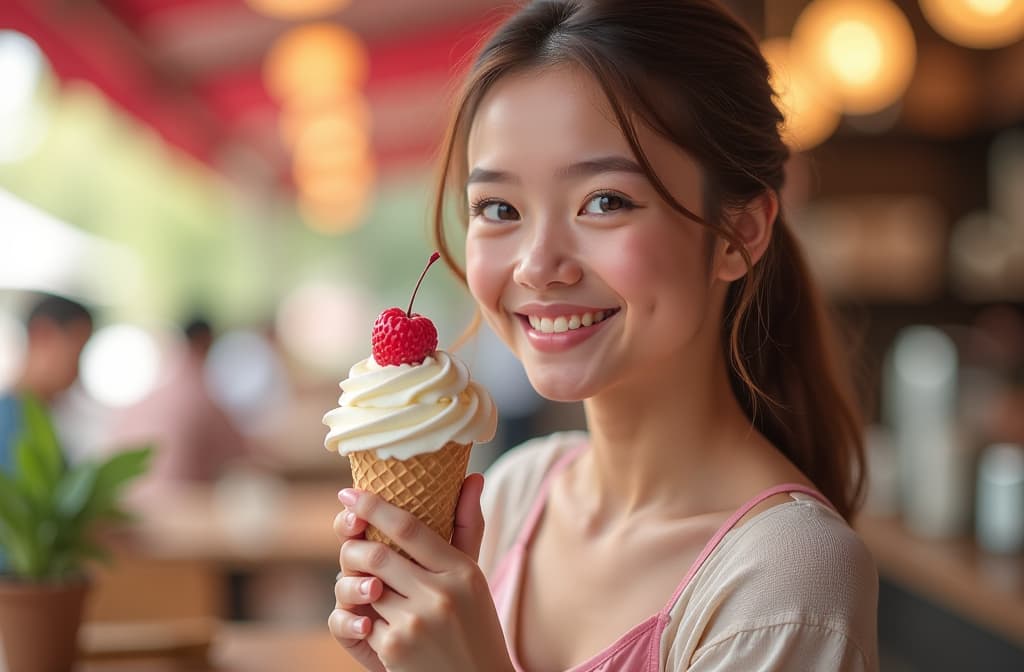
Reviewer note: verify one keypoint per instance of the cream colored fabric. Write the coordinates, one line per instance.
(793, 588)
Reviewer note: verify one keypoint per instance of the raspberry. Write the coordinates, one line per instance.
(399, 338)
(402, 336)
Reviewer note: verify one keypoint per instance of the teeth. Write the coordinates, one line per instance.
(563, 323)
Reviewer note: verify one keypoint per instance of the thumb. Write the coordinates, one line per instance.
(469, 519)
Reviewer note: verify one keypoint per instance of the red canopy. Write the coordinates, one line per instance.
(191, 69)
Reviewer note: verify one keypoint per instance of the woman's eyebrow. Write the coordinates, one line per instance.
(588, 168)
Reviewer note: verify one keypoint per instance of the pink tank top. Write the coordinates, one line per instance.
(639, 649)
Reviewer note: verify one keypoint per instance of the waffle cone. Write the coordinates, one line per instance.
(426, 486)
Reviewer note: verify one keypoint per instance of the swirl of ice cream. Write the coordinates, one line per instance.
(407, 410)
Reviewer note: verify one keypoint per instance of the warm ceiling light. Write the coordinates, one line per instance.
(315, 62)
(335, 187)
(810, 117)
(296, 9)
(861, 50)
(333, 218)
(326, 146)
(981, 24)
(347, 116)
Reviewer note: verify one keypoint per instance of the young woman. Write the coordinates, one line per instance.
(619, 163)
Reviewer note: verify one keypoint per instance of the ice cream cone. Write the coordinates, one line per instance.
(426, 485)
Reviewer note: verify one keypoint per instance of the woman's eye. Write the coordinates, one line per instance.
(602, 204)
(498, 211)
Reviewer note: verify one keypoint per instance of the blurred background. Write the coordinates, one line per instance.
(235, 188)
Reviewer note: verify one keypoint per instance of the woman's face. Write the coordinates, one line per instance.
(577, 264)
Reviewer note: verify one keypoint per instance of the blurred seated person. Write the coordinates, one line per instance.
(57, 330)
(194, 439)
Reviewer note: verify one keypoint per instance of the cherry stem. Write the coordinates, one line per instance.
(434, 257)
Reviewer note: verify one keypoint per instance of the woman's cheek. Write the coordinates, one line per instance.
(482, 273)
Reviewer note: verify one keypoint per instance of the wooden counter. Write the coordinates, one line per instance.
(292, 524)
(246, 648)
(985, 589)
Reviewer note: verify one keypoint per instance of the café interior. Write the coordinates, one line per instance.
(265, 168)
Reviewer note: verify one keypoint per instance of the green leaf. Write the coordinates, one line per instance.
(13, 512)
(111, 476)
(75, 490)
(43, 437)
(31, 471)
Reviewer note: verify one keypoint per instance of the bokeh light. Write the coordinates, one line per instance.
(325, 325)
(810, 116)
(862, 51)
(315, 62)
(244, 375)
(981, 24)
(120, 364)
(22, 65)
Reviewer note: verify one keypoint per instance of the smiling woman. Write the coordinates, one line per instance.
(618, 164)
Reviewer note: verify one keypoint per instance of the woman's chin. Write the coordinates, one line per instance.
(560, 388)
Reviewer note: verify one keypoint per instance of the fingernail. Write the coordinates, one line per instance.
(348, 497)
(361, 626)
(364, 587)
(350, 519)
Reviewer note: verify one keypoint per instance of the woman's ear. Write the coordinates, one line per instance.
(753, 226)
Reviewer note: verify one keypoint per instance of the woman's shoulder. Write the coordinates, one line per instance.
(797, 570)
(808, 531)
(803, 549)
(511, 485)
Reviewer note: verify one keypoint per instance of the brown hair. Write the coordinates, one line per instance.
(695, 75)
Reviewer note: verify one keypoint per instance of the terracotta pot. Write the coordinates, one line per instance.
(39, 624)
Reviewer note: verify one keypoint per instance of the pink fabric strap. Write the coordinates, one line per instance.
(542, 495)
(530, 522)
(712, 544)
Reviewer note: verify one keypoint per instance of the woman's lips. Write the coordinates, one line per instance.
(560, 341)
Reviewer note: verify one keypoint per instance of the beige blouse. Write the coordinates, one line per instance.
(793, 588)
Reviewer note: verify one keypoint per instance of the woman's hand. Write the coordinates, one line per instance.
(432, 614)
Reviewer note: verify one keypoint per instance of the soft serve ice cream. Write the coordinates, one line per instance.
(407, 410)
(407, 419)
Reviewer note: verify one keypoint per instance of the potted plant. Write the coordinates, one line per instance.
(49, 515)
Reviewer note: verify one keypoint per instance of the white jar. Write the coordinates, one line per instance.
(999, 522)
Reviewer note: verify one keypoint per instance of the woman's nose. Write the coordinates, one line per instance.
(547, 262)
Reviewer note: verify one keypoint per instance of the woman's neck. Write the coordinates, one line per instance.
(662, 442)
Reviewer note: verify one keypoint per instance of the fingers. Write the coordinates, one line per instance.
(347, 525)
(354, 590)
(469, 519)
(361, 557)
(349, 628)
(415, 538)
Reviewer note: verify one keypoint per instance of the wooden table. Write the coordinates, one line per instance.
(985, 589)
(291, 524)
(177, 559)
(249, 648)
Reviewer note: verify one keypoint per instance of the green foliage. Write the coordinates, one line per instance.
(49, 508)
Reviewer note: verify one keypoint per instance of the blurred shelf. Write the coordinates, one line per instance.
(946, 307)
(243, 648)
(289, 526)
(985, 589)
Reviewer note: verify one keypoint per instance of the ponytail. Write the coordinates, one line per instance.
(788, 376)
